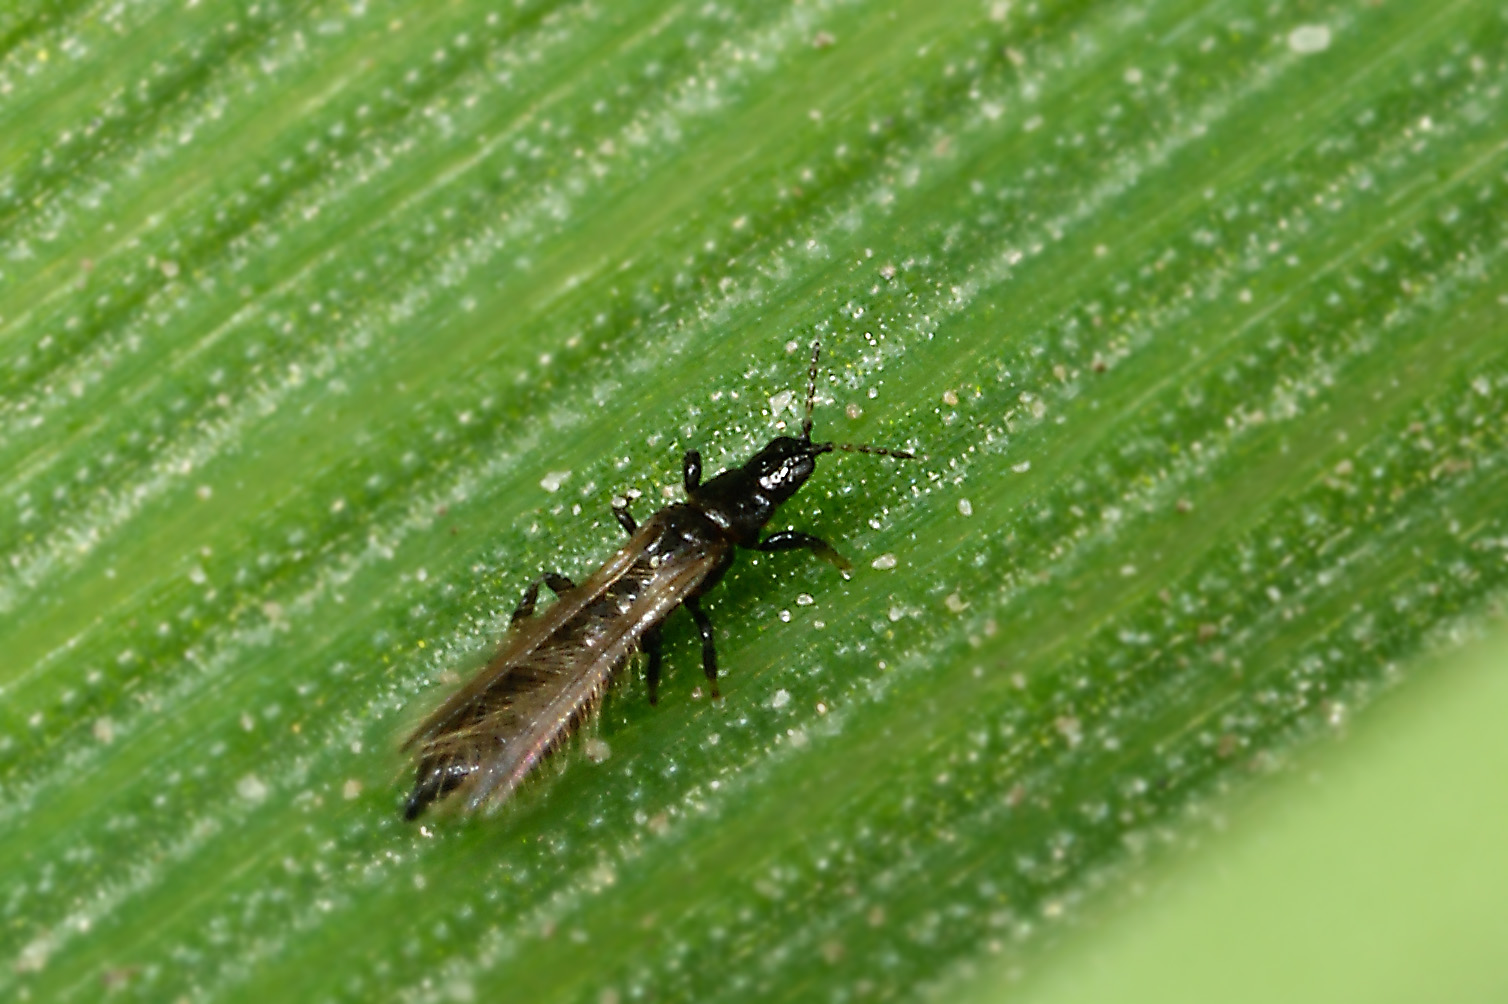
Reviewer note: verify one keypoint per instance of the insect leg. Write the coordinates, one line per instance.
(557, 583)
(795, 540)
(691, 471)
(651, 646)
(625, 519)
(525, 606)
(709, 649)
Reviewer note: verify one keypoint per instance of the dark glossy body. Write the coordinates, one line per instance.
(551, 671)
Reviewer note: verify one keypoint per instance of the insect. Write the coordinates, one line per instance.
(551, 671)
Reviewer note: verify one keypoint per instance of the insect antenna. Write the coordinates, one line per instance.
(811, 401)
(879, 451)
(811, 392)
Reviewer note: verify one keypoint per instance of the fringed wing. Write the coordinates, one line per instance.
(550, 675)
(501, 674)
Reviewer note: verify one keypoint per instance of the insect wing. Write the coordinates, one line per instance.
(524, 639)
(551, 671)
(565, 707)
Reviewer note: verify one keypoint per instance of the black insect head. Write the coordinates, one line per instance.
(745, 498)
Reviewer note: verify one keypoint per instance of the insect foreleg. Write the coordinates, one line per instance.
(651, 646)
(625, 519)
(525, 606)
(558, 584)
(795, 540)
(709, 648)
(691, 471)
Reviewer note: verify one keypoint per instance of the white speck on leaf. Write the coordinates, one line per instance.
(252, 788)
(551, 482)
(1070, 728)
(966, 507)
(781, 699)
(34, 956)
(1308, 39)
(883, 562)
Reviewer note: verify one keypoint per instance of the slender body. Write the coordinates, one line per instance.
(551, 671)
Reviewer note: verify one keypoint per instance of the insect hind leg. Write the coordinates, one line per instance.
(651, 646)
(709, 646)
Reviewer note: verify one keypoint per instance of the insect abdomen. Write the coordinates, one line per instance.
(540, 689)
(493, 740)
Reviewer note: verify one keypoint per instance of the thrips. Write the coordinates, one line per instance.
(551, 671)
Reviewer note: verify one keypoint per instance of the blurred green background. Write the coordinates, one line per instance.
(326, 326)
(1375, 873)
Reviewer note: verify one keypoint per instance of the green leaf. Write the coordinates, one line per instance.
(325, 327)
(1375, 872)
